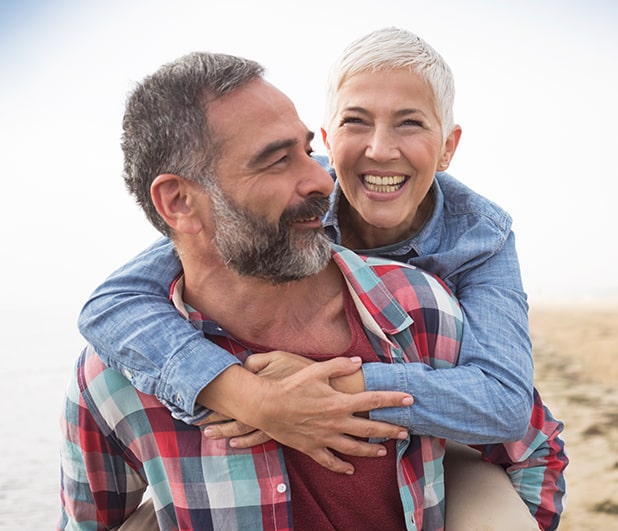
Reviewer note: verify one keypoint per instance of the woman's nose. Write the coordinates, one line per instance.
(382, 145)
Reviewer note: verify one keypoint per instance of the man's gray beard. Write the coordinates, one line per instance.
(252, 246)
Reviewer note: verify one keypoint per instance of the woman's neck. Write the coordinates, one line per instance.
(357, 234)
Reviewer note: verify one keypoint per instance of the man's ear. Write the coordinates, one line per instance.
(331, 161)
(174, 199)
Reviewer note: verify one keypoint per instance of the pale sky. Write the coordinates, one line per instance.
(536, 97)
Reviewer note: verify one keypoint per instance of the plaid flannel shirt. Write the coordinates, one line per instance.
(119, 441)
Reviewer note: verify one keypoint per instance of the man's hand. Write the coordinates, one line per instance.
(304, 412)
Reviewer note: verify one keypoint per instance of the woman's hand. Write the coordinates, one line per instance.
(274, 365)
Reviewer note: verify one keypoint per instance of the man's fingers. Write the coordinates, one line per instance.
(227, 429)
(213, 418)
(248, 441)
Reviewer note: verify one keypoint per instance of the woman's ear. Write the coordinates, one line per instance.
(174, 199)
(450, 146)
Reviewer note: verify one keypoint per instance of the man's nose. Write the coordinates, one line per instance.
(315, 179)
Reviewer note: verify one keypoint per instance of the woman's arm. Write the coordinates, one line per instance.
(136, 330)
(487, 398)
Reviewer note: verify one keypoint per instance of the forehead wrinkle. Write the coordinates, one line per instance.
(406, 112)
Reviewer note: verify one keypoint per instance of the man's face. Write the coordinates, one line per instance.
(270, 195)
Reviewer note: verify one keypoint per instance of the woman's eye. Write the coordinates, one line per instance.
(351, 120)
(411, 122)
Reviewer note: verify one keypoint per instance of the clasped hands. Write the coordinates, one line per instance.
(317, 408)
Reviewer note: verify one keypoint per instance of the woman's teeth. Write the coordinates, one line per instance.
(392, 183)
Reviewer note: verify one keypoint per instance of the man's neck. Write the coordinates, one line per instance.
(300, 316)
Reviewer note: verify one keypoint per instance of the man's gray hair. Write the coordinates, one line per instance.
(391, 49)
(165, 126)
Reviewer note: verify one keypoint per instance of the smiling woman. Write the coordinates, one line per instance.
(386, 141)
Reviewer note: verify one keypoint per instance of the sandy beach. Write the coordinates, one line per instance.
(576, 356)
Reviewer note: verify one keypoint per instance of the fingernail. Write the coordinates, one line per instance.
(233, 443)
(408, 401)
(402, 435)
(356, 359)
(208, 432)
(381, 452)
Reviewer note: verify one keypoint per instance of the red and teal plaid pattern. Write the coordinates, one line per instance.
(118, 441)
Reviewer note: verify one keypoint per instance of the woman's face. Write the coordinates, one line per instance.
(385, 143)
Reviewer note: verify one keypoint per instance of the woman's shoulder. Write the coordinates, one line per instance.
(461, 201)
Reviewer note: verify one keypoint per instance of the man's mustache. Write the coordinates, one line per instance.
(311, 208)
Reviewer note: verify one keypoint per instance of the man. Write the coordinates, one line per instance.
(220, 162)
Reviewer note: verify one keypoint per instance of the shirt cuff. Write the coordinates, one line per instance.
(186, 374)
(388, 377)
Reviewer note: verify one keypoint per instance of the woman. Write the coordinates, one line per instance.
(389, 133)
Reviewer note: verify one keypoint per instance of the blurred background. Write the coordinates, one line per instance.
(536, 97)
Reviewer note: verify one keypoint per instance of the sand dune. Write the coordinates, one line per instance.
(576, 356)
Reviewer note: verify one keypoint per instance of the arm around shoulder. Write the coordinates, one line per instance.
(137, 331)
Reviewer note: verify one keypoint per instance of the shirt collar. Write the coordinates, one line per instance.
(379, 310)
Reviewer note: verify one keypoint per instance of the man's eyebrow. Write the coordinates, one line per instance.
(266, 152)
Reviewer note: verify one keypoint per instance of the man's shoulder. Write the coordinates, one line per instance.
(409, 285)
(401, 275)
(414, 287)
(105, 389)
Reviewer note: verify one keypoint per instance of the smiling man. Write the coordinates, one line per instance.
(220, 162)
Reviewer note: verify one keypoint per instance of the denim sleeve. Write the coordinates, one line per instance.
(488, 397)
(137, 331)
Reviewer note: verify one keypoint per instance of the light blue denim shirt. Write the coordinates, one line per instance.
(467, 242)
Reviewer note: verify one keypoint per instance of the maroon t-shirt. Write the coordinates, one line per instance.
(325, 500)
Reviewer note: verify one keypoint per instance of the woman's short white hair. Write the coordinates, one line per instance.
(390, 49)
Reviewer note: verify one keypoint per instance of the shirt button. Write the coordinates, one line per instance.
(127, 374)
(281, 488)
